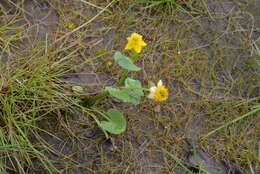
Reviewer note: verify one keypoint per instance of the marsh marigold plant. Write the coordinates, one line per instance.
(159, 92)
(126, 89)
(135, 42)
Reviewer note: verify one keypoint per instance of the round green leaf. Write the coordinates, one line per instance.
(116, 123)
(127, 94)
(125, 62)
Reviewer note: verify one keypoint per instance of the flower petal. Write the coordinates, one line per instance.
(142, 43)
(127, 47)
(160, 83)
(153, 89)
(137, 49)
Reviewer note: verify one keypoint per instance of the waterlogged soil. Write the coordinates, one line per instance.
(80, 147)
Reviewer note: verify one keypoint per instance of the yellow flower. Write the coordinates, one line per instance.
(109, 63)
(159, 92)
(135, 42)
(71, 26)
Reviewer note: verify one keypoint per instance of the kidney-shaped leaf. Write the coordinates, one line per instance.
(120, 94)
(125, 62)
(135, 94)
(127, 94)
(116, 123)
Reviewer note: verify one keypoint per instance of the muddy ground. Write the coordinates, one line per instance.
(201, 53)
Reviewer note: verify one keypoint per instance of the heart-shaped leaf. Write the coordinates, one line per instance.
(120, 94)
(134, 93)
(116, 123)
(125, 62)
(127, 94)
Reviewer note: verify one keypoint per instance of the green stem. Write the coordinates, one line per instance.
(122, 78)
(93, 100)
(133, 56)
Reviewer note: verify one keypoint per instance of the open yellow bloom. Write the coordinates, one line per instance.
(159, 92)
(71, 26)
(135, 42)
(109, 63)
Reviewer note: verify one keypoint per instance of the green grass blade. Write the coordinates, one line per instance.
(233, 121)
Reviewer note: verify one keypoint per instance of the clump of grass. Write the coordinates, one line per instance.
(26, 96)
(168, 5)
(30, 92)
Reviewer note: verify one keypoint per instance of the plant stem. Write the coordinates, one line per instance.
(122, 78)
(133, 56)
(93, 100)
